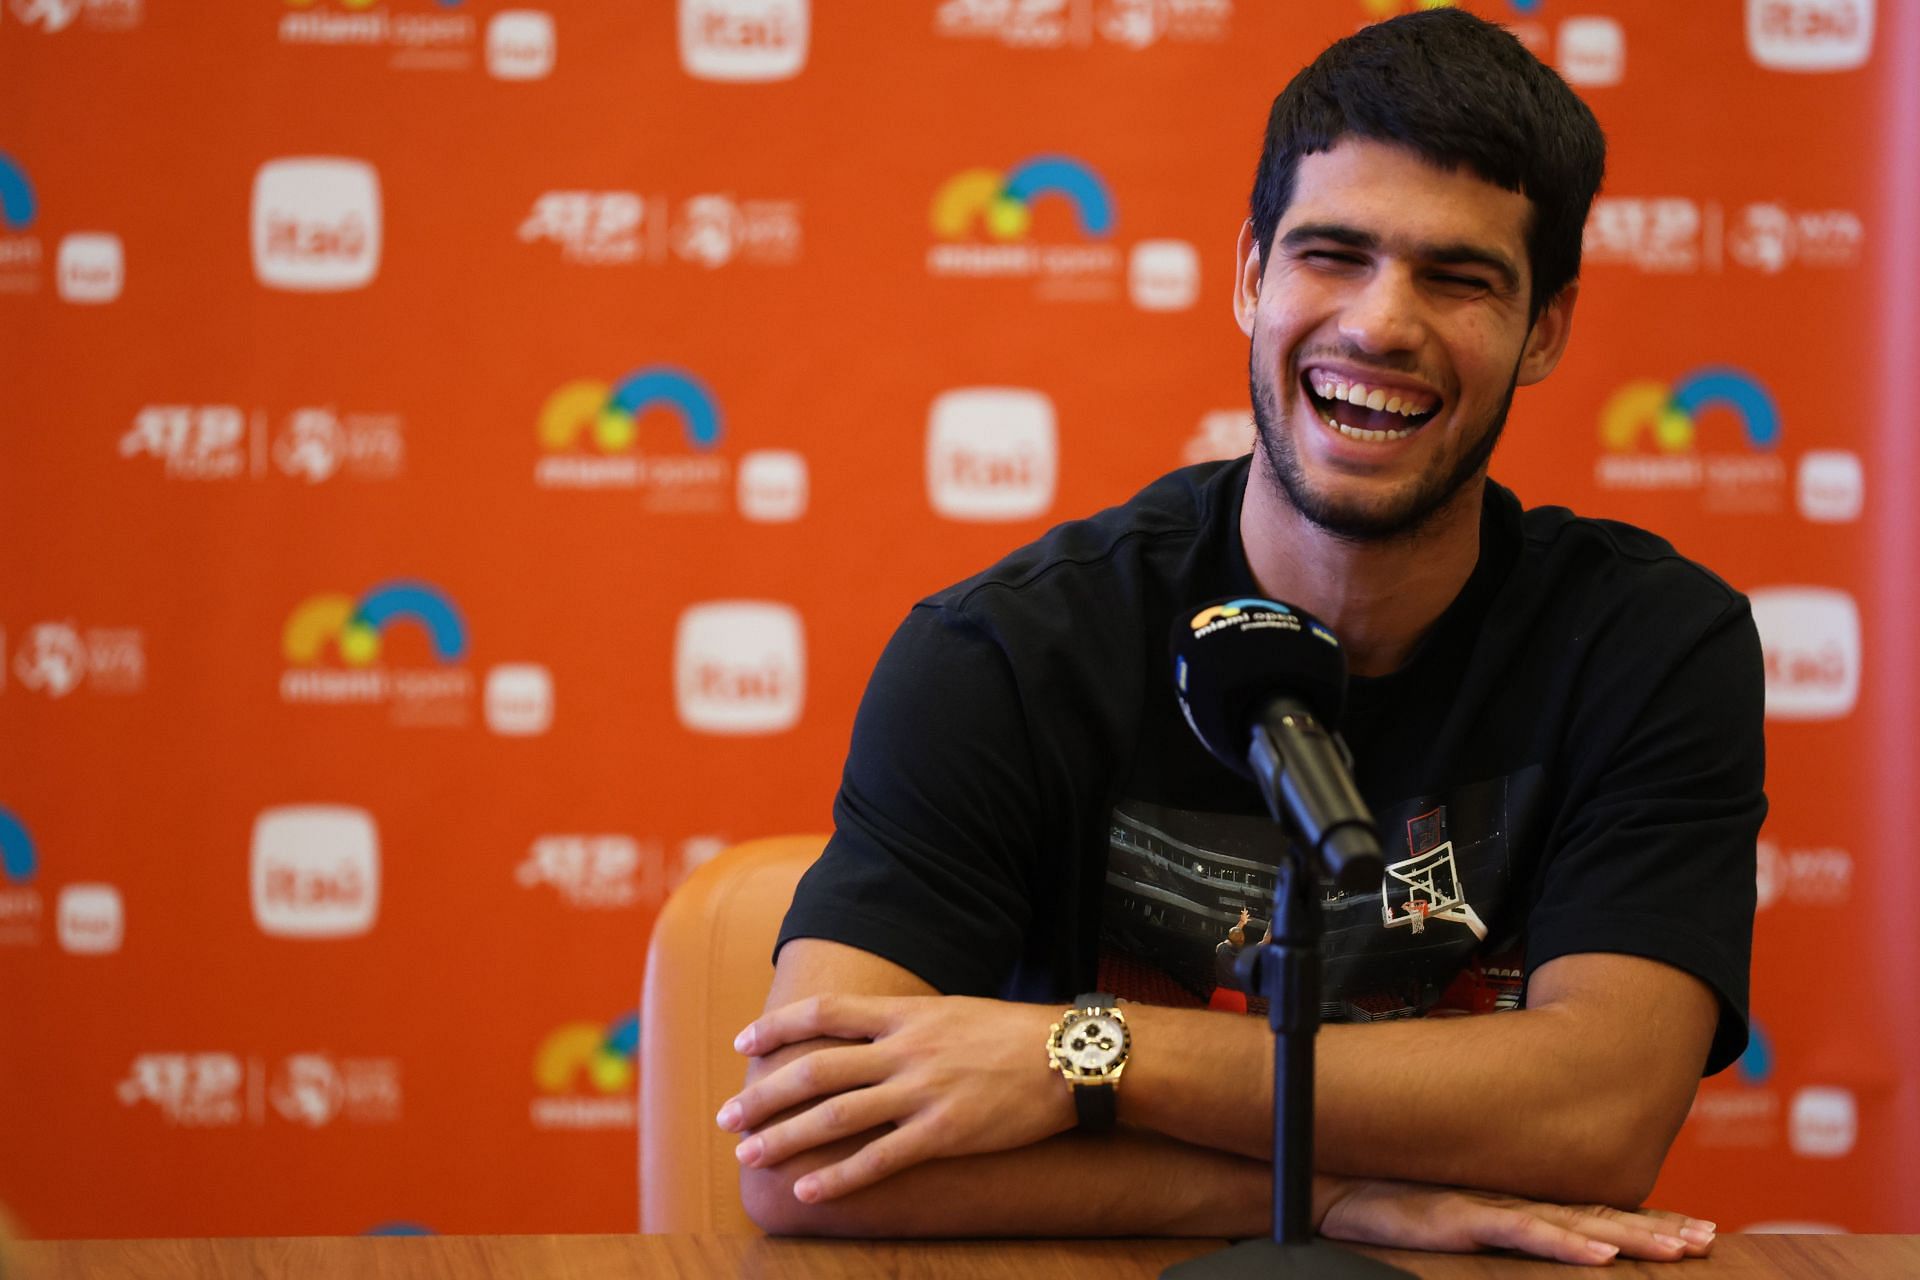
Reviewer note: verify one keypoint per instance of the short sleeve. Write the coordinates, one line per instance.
(1654, 855)
(937, 816)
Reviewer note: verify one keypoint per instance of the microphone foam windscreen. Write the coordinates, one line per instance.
(1231, 657)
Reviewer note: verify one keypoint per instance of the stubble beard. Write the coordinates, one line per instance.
(1406, 514)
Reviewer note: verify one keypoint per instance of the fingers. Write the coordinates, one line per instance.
(1651, 1235)
(881, 1158)
(815, 1075)
(842, 1017)
(1501, 1227)
(840, 1116)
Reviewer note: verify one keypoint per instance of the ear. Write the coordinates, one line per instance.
(1548, 337)
(1247, 266)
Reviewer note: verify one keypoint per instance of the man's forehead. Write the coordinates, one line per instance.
(1397, 195)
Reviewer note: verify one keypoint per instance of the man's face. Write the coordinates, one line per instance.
(1403, 287)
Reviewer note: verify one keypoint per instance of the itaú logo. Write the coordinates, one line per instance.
(315, 871)
(316, 224)
(739, 667)
(1810, 35)
(992, 454)
(1811, 639)
(743, 40)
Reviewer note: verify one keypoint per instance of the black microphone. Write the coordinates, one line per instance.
(1263, 686)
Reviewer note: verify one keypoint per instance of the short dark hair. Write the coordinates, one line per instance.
(1460, 91)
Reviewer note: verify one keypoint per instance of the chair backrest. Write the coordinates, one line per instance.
(708, 969)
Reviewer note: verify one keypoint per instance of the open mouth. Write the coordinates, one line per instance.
(1361, 411)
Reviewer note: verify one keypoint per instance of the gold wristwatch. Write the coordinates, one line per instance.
(1088, 1047)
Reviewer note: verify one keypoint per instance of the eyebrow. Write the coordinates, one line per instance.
(1457, 254)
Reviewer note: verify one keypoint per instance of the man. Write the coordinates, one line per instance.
(1556, 722)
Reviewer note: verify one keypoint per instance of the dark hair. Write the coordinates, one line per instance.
(1459, 91)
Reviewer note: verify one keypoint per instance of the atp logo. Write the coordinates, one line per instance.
(334, 645)
(585, 1070)
(20, 905)
(1001, 204)
(1651, 431)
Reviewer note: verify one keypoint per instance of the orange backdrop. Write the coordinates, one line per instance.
(461, 460)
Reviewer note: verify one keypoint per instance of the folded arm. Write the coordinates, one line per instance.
(939, 1116)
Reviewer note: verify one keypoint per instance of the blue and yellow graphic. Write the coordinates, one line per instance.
(611, 415)
(1670, 414)
(603, 1055)
(1233, 608)
(1002, 202)
(18, 206)
(18, 862)
(355, 626)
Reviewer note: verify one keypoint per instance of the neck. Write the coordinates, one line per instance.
(1380, 596)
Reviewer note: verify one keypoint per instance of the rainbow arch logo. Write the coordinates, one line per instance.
(1002, 202)
(18, 206)
(1669, 414)
(355, 627)
(603, 1054)
(1233, 609)
(610, 415)
(18, 860)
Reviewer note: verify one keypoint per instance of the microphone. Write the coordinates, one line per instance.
(1263, 685)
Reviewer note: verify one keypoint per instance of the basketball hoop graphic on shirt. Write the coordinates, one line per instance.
(1424, 888)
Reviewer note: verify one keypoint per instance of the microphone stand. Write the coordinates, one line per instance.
(1287, 973)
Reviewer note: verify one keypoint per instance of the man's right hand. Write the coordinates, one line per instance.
(1411, 1215)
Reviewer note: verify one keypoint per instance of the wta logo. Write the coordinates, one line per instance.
(1001, 205)
(586, 1071)
(336, 648)
(1652, 433)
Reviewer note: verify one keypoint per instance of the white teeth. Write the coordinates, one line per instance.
(1328, 387)
(1361, 433)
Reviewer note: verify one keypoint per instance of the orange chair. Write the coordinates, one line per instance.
(708, 969)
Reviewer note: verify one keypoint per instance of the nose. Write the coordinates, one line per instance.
(1382, 315)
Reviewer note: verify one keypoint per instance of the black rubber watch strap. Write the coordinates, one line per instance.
(1095, 1104)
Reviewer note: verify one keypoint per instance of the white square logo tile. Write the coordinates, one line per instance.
(316, 224)
(520, 45)
(740, 667)
(519, 699)
(315, 871)
(1163, 275)
(1810, 35)
(92, 920)
(744, 40)
(91, 267)
(773, 486)
(992, 454)
(1811, 640)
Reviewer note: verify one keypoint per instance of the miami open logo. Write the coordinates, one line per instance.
(585, 1074)
(1049, 218)
(402, 644)
(20, 905)
(20, 250)
(1663, 436)
(592, 435)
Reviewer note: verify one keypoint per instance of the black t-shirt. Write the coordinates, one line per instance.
(1571, 761)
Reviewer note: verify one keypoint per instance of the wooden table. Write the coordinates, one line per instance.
(672, 1257)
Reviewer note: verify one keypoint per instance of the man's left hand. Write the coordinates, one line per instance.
(953, 1076)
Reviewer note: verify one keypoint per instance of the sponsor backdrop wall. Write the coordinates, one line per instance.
(461, 460)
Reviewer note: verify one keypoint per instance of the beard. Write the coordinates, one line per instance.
(1405, 512)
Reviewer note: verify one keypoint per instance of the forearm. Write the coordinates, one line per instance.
(1526, 1102)
(1128, 1183)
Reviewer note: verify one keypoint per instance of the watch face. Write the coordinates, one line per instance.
(1093, 1044)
